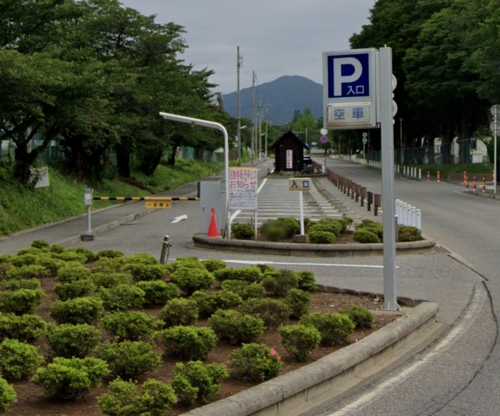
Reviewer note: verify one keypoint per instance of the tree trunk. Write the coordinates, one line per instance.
(123, 159)
(23, 161)
(171, 159)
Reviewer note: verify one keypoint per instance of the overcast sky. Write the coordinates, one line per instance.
(277, 37)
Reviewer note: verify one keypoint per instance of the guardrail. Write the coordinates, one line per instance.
(359, 193)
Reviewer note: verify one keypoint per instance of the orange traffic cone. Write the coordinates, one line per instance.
(213, 230)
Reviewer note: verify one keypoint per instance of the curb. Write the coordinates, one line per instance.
(351, 249)
(307, 388)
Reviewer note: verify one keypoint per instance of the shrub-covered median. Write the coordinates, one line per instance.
(325, 231)
(22, 207)
(106, 334)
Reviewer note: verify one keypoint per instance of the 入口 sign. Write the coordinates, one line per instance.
(243, 188)
(299, 184)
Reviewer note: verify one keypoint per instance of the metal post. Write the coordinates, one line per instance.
(387, 126)
(301, 201)
(238, 99)
(89, 220)
(222, 129)
(88, 198)
(254, 107)
(256, 218)
(495, 120)
(165, 249)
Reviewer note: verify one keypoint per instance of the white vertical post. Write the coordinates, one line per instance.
(89, 220)
(387, 127)
(301, 201)
(419, 174)
(413, 216)
(419, 219)
(256, 219)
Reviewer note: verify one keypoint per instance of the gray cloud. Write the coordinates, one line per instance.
(277, 37)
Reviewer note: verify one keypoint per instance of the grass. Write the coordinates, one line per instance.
(22, 208)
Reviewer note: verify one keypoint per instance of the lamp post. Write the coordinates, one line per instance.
(210, 125)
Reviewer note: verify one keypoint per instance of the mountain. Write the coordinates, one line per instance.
(281, 97)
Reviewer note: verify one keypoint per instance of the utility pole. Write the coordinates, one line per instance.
(254, 108)
(239, 61)
(267, 139)
(401, 152)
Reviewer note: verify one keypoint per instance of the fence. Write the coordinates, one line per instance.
(408, 215)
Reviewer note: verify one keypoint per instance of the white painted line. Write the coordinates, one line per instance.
(178, 219)
(477, 303)
(305, 264)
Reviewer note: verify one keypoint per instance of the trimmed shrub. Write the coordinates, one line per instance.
(52, 265)
(21, 301)
(4, 269)
(122, 298)
(77, 311)
(111, 279)
(322, 237)
(254, 363)
(142, 258)
(25, 328)
(247, 274)
(299, 302)
(143, 272)
(328, 225)
(235, 327)
(32, 271)
(76, 289)
(28, 259)
(71, 378)
(307, 281)
(280, 229)
(179, 311)
(300, 340)
(213, 265)
(69, 340)
(209, 302)
(129, 359)
(243, 289)
(191, 279)
(274, 312)
(243, 231)
(361, 317)
(109, 254)
(188, 342)
(407, 234)
(71, 256)
(56, 248)
(13, 284)
(184, 262)
(196, 382)
(334, 328)
(18, 361)
(127, 399)
(158, 292)
(90, 255)
(109, 265)
(7, 395)
(132, 326)
(372, 226)
(279, 283)
(40, 244)
(365, 236)
(73, 272)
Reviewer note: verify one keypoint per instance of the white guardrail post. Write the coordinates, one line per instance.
(408, 215)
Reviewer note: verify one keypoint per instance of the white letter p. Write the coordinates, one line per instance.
(340, 79)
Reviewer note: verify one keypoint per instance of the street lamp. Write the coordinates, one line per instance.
(210, 125)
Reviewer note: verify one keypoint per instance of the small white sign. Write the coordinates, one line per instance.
(41, 176)
(243, 188)
(289, 159)
(299, 184)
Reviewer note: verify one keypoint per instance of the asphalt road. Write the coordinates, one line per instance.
(462, 376)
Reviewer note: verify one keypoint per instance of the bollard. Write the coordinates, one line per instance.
(419, 219)
(413, 216)
(363, 196)
(165, 249)
(438, 178)
(419, 174)
(370, 201)
(88, 199)
(376, 204)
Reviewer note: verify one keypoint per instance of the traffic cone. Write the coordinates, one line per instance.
(213, 230)
(438, 176)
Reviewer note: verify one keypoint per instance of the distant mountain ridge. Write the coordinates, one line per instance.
(281, 97)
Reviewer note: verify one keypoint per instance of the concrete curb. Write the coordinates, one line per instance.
(202, 240)
(309, 387)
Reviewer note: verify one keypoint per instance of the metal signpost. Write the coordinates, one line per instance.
(88, 199)
(365, 142)
(243, 183)
(495, 112)
(300, 185)
(358, 94)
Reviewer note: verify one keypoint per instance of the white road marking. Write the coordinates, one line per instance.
(178, 219)
(477, 303)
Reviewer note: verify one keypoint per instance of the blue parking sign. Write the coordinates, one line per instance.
(349, 76)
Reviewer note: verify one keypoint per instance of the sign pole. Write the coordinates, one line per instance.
(301, 199)
(495, 133)
(387, 127)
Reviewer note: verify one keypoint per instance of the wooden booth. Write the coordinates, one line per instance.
(289, 153)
